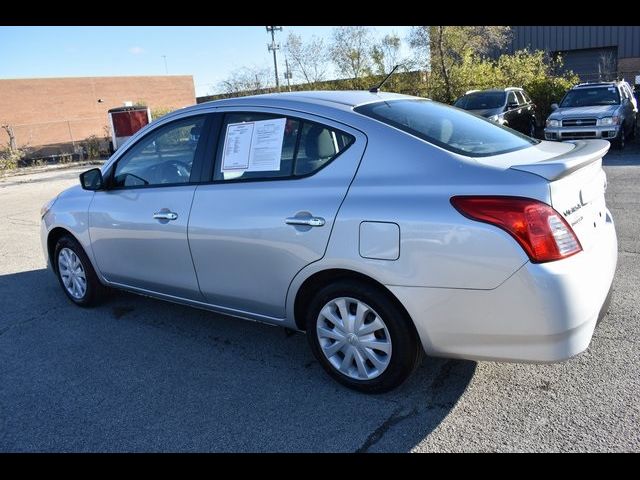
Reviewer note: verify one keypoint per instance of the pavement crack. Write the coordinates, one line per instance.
(442, 376)
(375, 436)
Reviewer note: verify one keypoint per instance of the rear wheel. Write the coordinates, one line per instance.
(76, 275)
(361, 338)
(619, 142)
(532, 128)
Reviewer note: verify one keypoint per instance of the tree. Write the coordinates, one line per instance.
(308, 60)
(443, 47)
(542, 77)
(247, 81)
(12, 137)
(350, 52)
(385, 54)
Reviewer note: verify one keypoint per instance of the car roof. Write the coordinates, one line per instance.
(506, 89)
(596, 84)
(339, 99)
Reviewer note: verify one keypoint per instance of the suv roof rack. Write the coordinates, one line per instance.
(593, 84)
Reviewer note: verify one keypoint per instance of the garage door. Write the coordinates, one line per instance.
(592, 64)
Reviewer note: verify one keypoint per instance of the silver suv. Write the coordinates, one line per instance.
(594, 110)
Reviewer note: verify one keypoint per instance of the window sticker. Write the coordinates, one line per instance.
(237, 146)
(254, 146)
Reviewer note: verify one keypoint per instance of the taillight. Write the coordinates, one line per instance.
(537, 227)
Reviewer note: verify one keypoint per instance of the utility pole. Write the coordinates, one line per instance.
(287, 73)
(272, 47)
(166, 70)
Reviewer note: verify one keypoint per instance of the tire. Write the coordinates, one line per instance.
(70, 260)
(532, 128)
(619, 142)
(395, 333)
(634, 130)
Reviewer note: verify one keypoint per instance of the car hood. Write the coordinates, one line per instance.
(487, 112)
(597, 111)
(72, 191)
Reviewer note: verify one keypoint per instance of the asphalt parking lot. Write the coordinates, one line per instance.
(137, 374)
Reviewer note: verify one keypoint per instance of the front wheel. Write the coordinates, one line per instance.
(76, 274)
(361, 338)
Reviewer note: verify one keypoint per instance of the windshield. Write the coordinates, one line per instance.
(450, 128)
(586, 97)
(481, 100)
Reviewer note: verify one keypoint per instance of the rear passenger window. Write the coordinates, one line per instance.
(521, 99)
(318, 145)
(263, 146)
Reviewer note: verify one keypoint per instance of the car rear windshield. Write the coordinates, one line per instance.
(586, 97)
(452, 129)
(481, 100)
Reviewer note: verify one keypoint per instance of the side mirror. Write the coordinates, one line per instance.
(554, 106)
(92, 179)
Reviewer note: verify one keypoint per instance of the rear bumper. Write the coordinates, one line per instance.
(542, 313)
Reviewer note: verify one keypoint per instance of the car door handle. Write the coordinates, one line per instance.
(310, 221)
(165, 215)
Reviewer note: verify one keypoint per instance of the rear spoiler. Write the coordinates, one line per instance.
(584, 153)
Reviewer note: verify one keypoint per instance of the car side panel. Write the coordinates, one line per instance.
(70, 212)
(245, 254)
(410, 183)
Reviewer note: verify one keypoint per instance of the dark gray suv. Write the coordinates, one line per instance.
(510, 106)
(594, 110)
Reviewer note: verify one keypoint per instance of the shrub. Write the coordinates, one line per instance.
(9, 159)
(540, 76)
(92, 147)
(160, 112)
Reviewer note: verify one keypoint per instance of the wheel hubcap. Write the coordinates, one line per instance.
(72, 273)
(354, 338)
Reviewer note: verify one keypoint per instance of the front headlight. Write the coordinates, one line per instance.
(609, 121)
(47, 206)
(551, 122)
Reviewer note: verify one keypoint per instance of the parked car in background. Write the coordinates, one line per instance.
(510, 107)
(385, 226)
(595, 110)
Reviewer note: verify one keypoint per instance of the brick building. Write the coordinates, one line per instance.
(61, 112)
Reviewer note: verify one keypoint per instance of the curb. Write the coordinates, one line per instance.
(48, 168)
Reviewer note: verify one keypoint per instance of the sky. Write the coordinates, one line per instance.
(210, 54)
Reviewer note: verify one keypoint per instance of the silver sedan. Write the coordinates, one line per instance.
(385, 226)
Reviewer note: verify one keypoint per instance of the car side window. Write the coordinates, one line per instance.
(511, 98)
(625, 92)
(526, 97)
(521, 99)
(164, 156)
(263, 146)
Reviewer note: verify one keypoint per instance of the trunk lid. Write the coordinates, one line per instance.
(577, 185)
